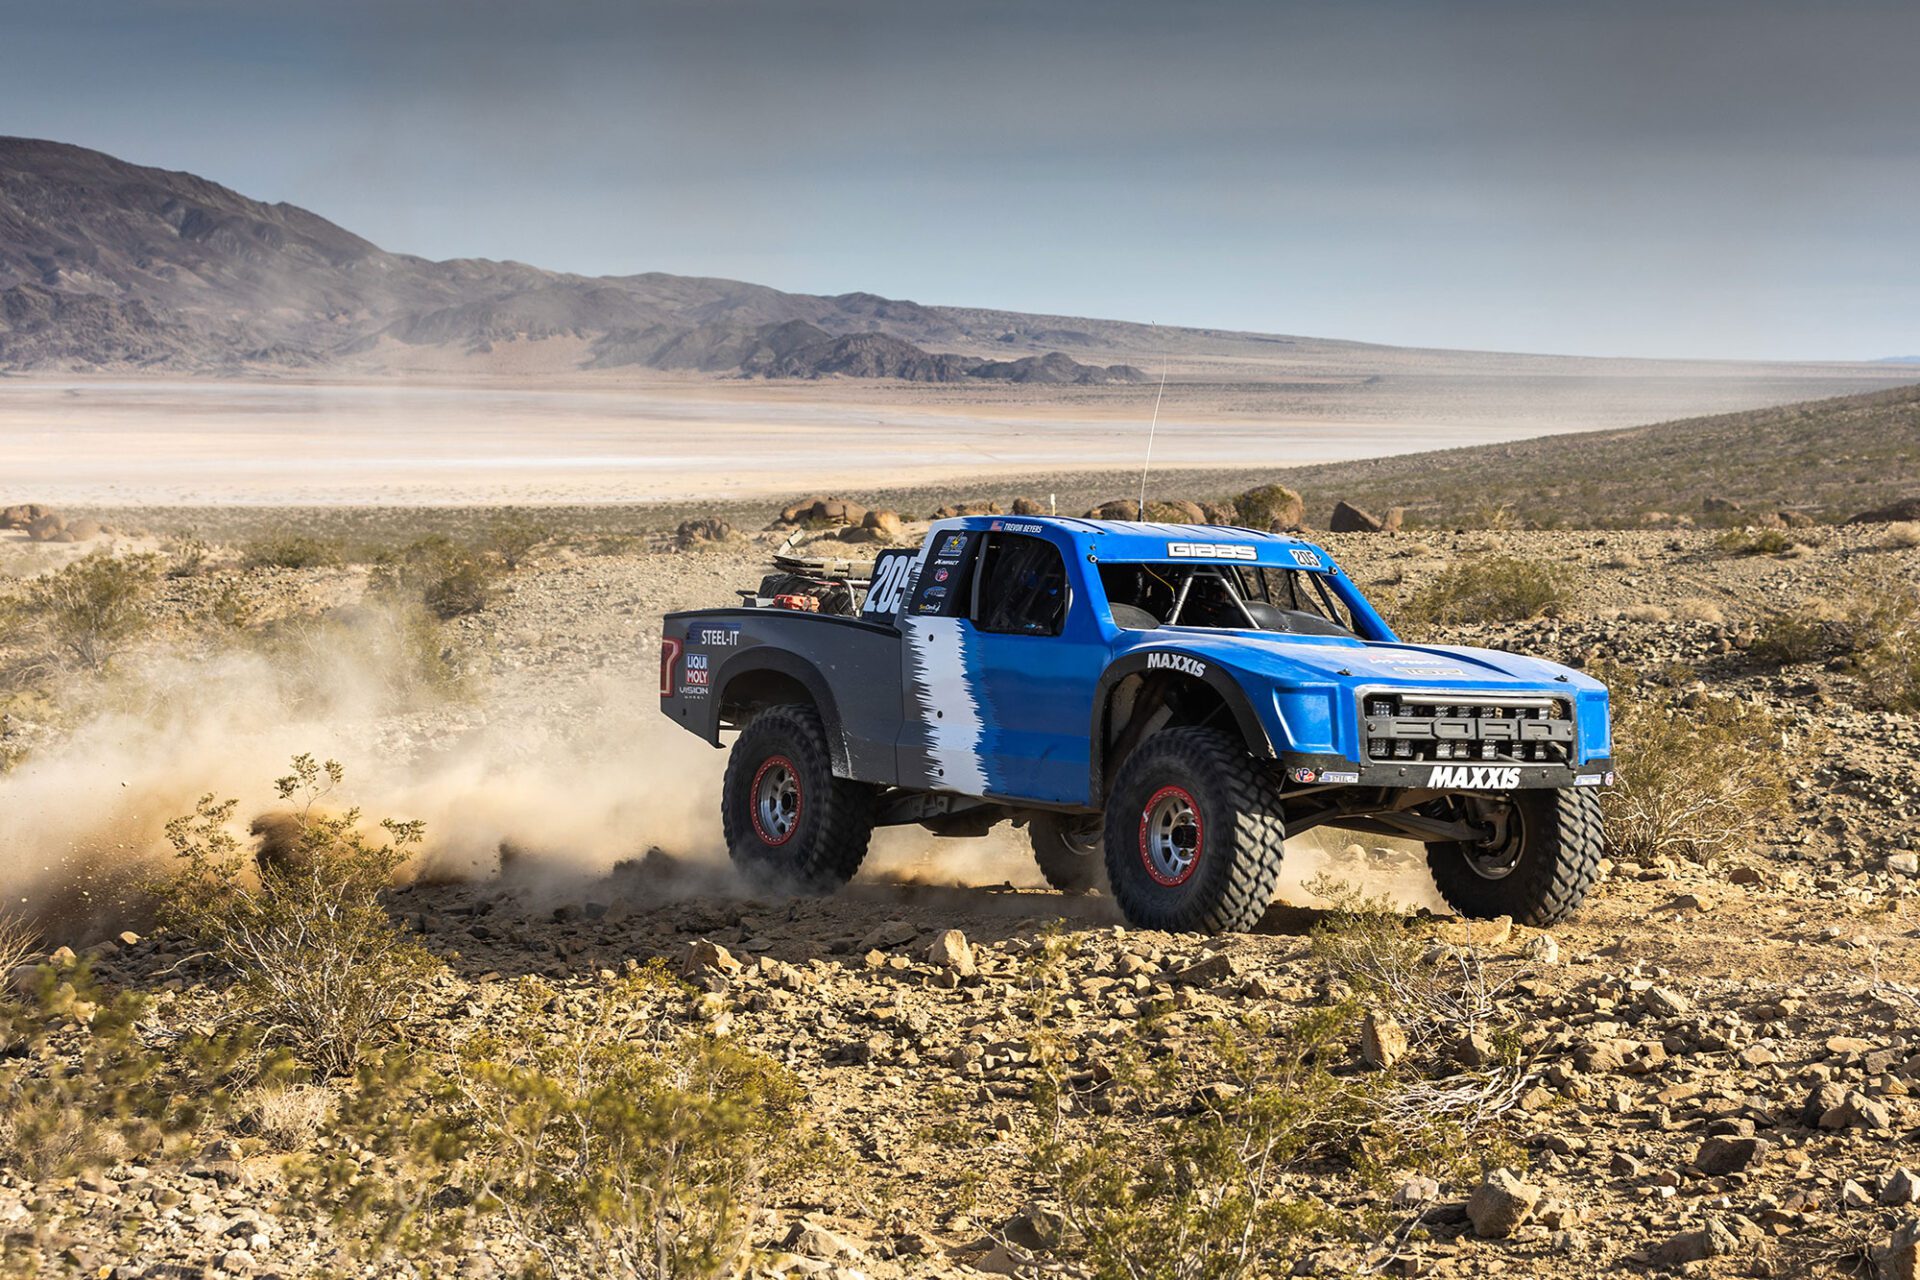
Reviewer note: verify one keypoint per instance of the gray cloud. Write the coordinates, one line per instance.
(1682, 178)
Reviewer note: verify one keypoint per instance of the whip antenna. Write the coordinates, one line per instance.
(1152, 428)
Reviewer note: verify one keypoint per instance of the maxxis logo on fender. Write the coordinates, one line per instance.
(1473, 777)
(1176, 662)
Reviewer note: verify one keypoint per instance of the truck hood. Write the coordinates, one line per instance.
(1293, 661)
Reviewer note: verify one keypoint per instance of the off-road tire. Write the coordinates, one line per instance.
(1558, 860)
(832, 818)
(1068, 868)
(1235, 869)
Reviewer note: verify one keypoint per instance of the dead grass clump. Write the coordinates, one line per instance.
(1873, 628)
(1696, 781)
(319, 961)
(1493, 588)
(1698, 609)
(1901, 537)
(1646, 613)
(287, 1117)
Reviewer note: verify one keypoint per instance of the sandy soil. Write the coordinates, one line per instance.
(618, 439)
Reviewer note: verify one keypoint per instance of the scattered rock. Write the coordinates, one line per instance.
(1501, 1203)
(1900, 1187)
(1893, 513)
(704, 957)
(1383, 1042)
(1720, 1156)
(950, 950)
(1711, 1240)
(1348, 518)
(703, 532)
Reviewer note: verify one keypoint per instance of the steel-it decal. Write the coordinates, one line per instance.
(716, 637)
(1211, 551)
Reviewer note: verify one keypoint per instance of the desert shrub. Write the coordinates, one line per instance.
(513, 538)
(1206, 1190)
(1698, 609)
(448, 578)
(1754, 542)
(18, 938)
(186, 557)
(602, 1138)
(81, 1088)
(393, 650)
(90, 610)
(292, 551)
(1493, 588)
(1873, 626)
(1697, 781)
(319, 961)
(1646, 613)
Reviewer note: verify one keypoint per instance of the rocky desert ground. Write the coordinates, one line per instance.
(947, 1069)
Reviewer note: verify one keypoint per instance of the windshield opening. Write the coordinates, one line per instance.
(1234, 597)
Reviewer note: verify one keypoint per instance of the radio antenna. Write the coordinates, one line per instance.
(1153, 428)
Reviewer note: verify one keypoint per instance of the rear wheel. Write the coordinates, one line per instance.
(788, 821)
(1540, 857)
(1069, 851)
(1193, 834)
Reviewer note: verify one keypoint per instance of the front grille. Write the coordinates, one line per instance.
(1438, 726)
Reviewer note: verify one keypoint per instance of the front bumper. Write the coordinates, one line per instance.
(1302, 769)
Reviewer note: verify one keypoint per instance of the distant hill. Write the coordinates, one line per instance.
(105, 264)
(1829, 458)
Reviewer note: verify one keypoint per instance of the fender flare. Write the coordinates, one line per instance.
(781, 662)
(1210, 673)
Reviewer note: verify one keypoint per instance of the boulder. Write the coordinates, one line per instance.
(1176, 512)
(799, 510)
(1893, 513)
(46, 528)
(1500, 1204)
(1348, 518)
(85, 529)
(876, 526)
(1118, 509)
(22, 515)
(1029, 507)
(1271, 507)
(1719, 506)
(1220, 513)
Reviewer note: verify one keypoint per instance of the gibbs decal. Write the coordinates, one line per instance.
(1211, 551)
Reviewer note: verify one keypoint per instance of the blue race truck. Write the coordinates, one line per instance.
(1159, 705)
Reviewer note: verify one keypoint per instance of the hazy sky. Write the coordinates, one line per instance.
(1737, 179)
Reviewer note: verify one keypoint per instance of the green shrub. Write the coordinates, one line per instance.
(1874, 625)
(1754, 542)
(90, 610)
(1697, 780)
(448, 578)
(595, 1137)
(80, 1087)
(306, 933)
(1489, 589)
(513, 538)
(292, 551)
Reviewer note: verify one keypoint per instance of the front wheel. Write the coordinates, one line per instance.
(1540, 857)
(787, 819)
(1193, 834)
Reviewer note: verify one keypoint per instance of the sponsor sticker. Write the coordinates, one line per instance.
(1590, 780)
(1176, 662)
(1473, 777)
(951, 547)
(1211, 551)
(717, 637)
(1347, 776)
(1304, 775)
(695, 675)
(1404, 669)
(1014, 526)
